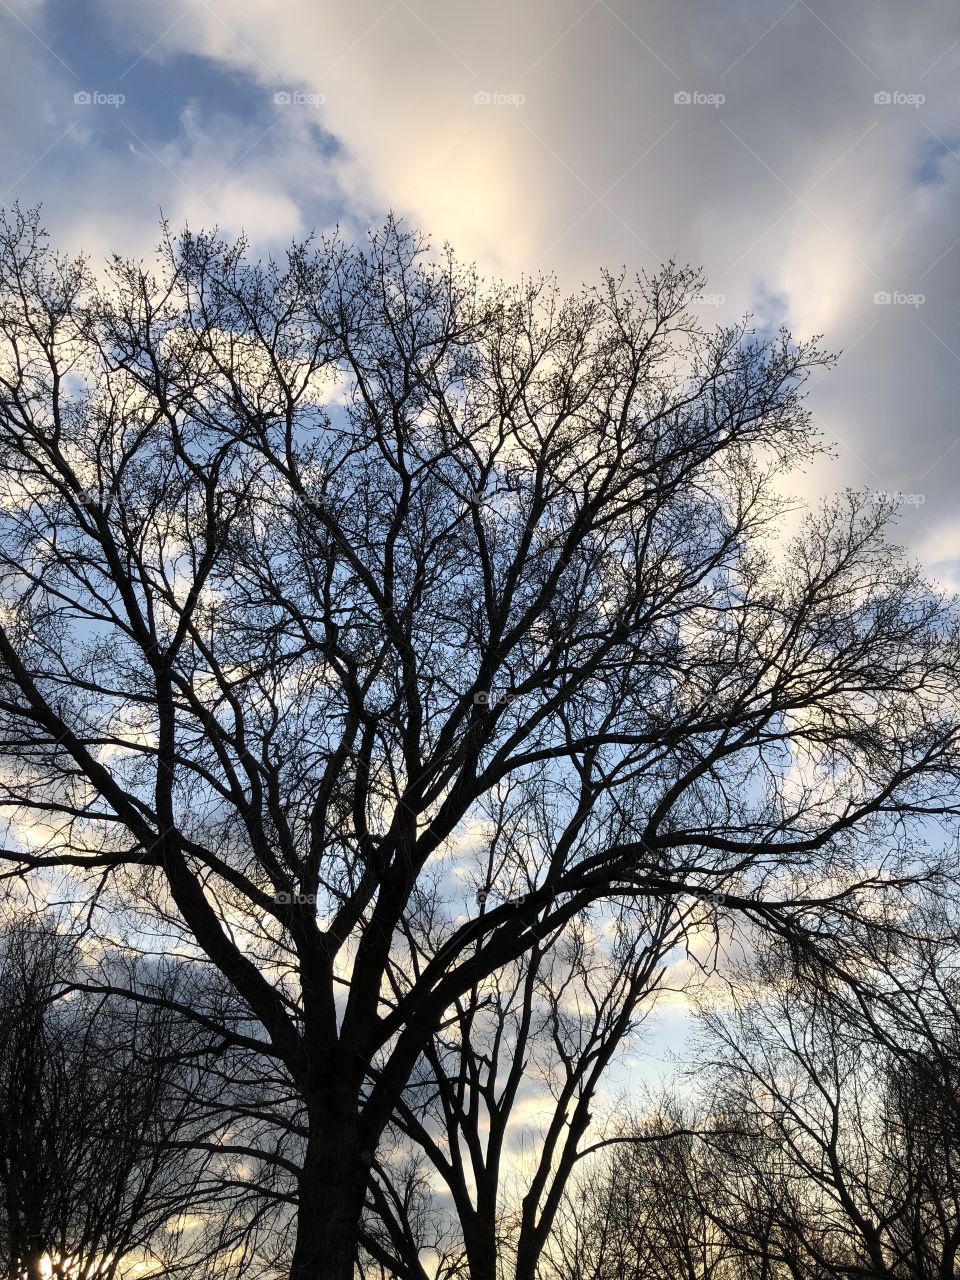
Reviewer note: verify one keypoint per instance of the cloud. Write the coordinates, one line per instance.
(784, 147)
(807, 155)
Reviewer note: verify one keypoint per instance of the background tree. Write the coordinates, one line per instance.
(826, 1144)
(501, 1100)
(638, 1210)
(850, 1160)
(304, 563)
(97, 1102)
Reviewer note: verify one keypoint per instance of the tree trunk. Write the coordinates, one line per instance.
(481, 1250)
(332, 1190)
(479, 1226)
(528, 1257)
(35, 1268)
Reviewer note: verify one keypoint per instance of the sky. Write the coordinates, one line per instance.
(805, 153)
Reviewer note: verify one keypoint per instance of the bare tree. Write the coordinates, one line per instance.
(638, 1211)
(827, 1145)
(96, 1103)
(407, 1234)
(303, 563)
(501, 1100)
(850, 1163)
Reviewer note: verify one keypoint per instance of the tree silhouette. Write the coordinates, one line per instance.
(98, 1101)
(537, 1035)
(315, 572)
(821, 1141)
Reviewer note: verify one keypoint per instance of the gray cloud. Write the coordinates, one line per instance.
(802, 195)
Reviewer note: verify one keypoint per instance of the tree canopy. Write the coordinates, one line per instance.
(349, 600)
